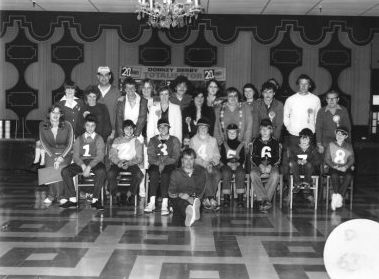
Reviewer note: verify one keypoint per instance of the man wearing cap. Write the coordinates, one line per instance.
(207, 156)
(133, 107)
(186, 189)
(109, 94)
(329, 118)
(339, 156)
(163, 153)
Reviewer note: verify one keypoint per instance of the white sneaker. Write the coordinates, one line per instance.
(333, 202)
(63, 201)
(339, 202)
(47, 201)
(190, 217)
(164, 210)
(196, 208)
(150, 207)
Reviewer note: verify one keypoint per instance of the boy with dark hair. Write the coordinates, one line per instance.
(126, 154)
(233, 159)
(303, 158)
(186, 188)
(163, 153)
(339, 157)
(265, 159)
(88, 157)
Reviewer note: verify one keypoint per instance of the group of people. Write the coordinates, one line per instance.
(188, 140)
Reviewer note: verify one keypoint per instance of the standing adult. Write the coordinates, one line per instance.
(181, 88)
(198, 109)
(213, 94)
(186, 189)
(250, 94)
(300, 110)
(164, 109)
(57, 137)
(71, 106)
(234, 112)
(268, 107)
(109, 95)
(329, 118)
(148, 92)
(133, 107)
(100, 111)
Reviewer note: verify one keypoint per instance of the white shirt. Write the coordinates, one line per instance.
(104, 91)
(127, 150)
(300, 111)
(132, 113)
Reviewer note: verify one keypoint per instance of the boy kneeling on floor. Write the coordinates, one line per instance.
(88, 157)
(187, 185)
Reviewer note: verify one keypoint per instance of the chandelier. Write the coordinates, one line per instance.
(168, 13)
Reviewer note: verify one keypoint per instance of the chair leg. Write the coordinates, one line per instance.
(247, 191)
(351, 194)
(218, 194)
(281, 190)
(327, 192)
(316, 192)
(251, 194)
(76, 183)
(291, 188)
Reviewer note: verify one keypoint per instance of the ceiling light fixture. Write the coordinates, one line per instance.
(168, 13)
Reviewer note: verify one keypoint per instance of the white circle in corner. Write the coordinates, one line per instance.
(352, 250)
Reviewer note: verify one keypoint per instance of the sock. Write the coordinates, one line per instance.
(152, 199)
(164, 202)
(37, 155)
(43, 152)
(94, 200)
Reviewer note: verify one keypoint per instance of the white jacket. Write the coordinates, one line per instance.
(174, 118)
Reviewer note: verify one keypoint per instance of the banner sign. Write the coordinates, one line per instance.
(170, 73)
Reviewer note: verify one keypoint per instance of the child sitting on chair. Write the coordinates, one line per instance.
(89, 149)
(303, 158)
(232, 159)
(126, 154)
(39, 154)
(339, 157)
(265, 159)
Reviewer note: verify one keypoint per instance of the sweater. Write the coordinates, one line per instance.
(300, 111)
(266, 152)
(181, 182)
(310, 154)
(274, 113)
(206, 150)
(72, 115)
(110, 101)
(241, 116)
(327, 123)
(91, 151)
(125, 149)
(184, 103)
(163, 152)
(232, 151)
(341, 155)
(206, 112)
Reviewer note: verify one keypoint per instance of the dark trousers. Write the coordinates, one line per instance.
(338, 186)
(297, 170)
(227, 174)
(137, 177)
(164, 177)
(179, 207)
(70, 171)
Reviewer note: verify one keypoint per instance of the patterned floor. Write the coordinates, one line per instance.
(38, 242)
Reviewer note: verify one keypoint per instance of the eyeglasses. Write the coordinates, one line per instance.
(332, 98)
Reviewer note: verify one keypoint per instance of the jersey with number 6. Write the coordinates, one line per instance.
(269, 151)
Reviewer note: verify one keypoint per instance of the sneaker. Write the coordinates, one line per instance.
(150, 207)
(164, 211)
(266, 205)
(190, 216)
(196, 208)
(214, 204)
(207, 204)
(333, 202)
(47, 201)
(97, 204)
(69, 204)
(62, 201)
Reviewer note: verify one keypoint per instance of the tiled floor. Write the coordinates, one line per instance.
(39, 242)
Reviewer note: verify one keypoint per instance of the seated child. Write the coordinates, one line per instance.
(233, 159)
(207, 156)
(39, 154)
(163, 153)
(88, 157)
(126, 154)
(265, 159)
(339, 157)
(303, 158)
